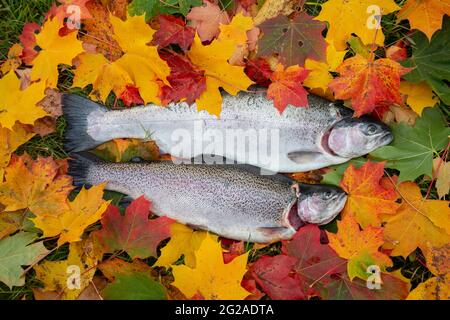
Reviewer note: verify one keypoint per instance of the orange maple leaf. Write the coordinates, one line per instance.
(36, 185)
(360, 247)
(368, 197)
(417, 223)
(369, 84)
(286, 87)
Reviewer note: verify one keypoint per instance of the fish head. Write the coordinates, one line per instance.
(354, 137)
(319, 204)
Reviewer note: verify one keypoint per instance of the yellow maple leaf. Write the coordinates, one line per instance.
(441, 170)
(219, 73)
(19, 105)
(87, 208)
(68, 278)
(104, 75)
(360, 247)
(425, 15)
(10, 140)
(55, 50)
(417, 222)
(35, 185)
(236, 30)
(320, 76)
(355, 16)
(13, 61)
(419, 95)
(438, 287)
(140, 65)
(183, 241)
(211, 277)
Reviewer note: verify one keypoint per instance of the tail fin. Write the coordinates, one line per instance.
(79, 164)
(76, 110)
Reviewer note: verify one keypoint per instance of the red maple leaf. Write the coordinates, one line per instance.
(259, 71)
(186, 81)
(369, 84)
(28, 40)
(133, 233)
(131, 96)
(173, 30)
(286, 87)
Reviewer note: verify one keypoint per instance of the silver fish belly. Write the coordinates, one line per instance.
(249, 130)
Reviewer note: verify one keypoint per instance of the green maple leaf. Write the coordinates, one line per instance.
(135, 286)
(431, 60)
(413, 148)
(152, 8)
(15, 252)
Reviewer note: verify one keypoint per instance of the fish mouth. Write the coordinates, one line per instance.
(386, 138)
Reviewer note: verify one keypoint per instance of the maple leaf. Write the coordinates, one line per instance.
(36, 185)
(308, 267)
(354, 17)
(173, 30)
(368, 198)
(140, 65)
(219, 73)
(435, 71)
(183, 241)
(272, 8)
(13, 60)
(413, 148)
(319, 76)
(17, 251)
(131, 96)
(211, 277)
(258, 71)
(435, 288)
(104, 75)
(99, 31)
(134, 286)
(425, 15)
(152, 8)
(417, 222)
(294, 40)
(87, 208)
(275, 276)
(28, 40)
(207, 19)
(359, 247)
(186, 81)
(124, 150)
(441, 170)
(133, 233)
(54, 50)
(419, 95)
(234, 30)
(286, 87)
(55, 275)
(27, 99)
(11, 140)
(368, 84)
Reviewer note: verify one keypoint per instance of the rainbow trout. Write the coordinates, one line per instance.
(249, 130)
(233, 201)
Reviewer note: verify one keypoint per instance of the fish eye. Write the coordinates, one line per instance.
(327, 195)
(371, 129)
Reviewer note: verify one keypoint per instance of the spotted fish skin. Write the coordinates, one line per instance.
(229, 200)
(300, 130)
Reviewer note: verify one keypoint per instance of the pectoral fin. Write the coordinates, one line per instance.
(305, 156)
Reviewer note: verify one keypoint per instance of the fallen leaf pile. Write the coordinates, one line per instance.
(384, 58)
